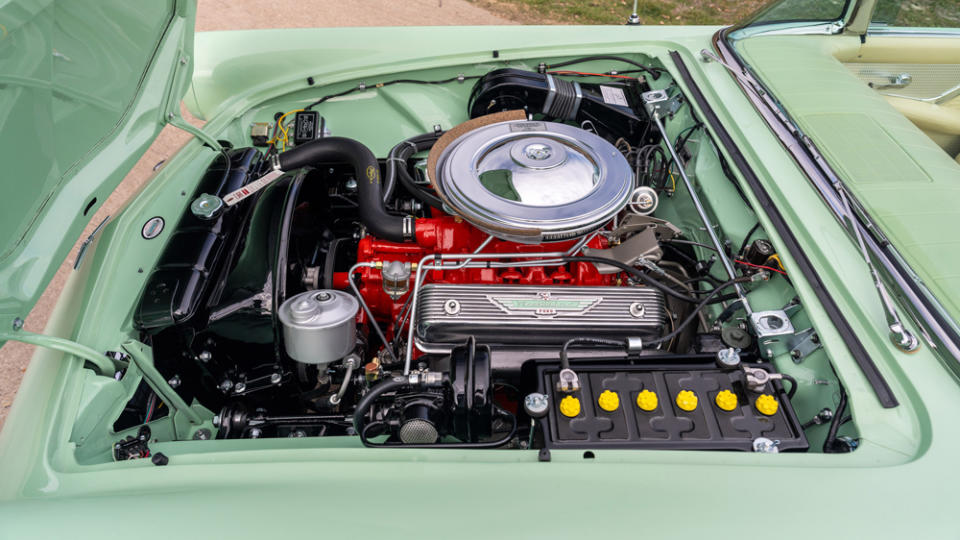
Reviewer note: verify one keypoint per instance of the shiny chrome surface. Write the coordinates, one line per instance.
(319, 327)
(533, 182)
(536, 315)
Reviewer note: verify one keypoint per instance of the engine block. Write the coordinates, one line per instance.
(449, 234)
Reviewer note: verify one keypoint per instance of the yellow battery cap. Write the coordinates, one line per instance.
(569, 406)
(726, 400)
(609, 401)
(767, 405)
(647, 400)
(687, 400)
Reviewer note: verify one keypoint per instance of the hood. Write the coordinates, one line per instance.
(86, 88)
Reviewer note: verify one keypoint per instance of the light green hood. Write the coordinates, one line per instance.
(85, 87)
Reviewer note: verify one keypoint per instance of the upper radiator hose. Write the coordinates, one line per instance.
(369, 189)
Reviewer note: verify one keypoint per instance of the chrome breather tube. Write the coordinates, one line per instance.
(714, 239)
(366, 308)
(435, 262)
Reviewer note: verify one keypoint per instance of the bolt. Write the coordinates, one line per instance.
(299, 433)
(174, 381)
(205, 356)
(275, 378)
(451, 307)
(255, 433)
(226, 385)
(183, 60)
(764, 445)
(351, 184)
(637, 309)
(201, 435)
(216, 420)
(795, 354)
(17, 324)
(240, 387)
(825, 415)
(728, 357)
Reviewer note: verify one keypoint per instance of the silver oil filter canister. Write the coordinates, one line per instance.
(319, 327)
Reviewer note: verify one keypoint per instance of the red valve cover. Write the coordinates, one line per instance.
(451, 234)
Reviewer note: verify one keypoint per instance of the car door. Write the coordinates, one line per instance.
(911, 56)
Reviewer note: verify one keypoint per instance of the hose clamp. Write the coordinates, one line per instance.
(408, 228)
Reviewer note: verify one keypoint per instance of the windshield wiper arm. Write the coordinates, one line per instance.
(901, 337)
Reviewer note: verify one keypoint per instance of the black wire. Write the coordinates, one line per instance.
(689, 243)
(681, 140)
(828, 443)
(226, 170)
(565, 360)
(793, 385)
(634, 273)
(359, 87)
(653, 71)
(747, 238)
(693, 314)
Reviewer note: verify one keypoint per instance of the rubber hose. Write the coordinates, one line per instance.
(369, 189)
(367, 400)
(397, 167)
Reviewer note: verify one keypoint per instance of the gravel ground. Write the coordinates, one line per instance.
(237, 15)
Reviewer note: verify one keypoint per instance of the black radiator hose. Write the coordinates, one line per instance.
(369, 189)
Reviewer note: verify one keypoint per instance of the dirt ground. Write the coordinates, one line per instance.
(237, 15)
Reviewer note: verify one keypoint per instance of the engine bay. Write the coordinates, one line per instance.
(565, 260)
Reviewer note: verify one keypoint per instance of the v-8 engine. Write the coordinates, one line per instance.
(512, 289)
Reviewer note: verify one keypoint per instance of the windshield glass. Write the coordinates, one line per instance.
(785, 11)
(917, 13)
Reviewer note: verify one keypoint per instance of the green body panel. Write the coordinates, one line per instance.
(54, 484)
(86, 87)
(907, 183)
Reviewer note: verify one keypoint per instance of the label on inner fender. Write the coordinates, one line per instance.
(614, 96)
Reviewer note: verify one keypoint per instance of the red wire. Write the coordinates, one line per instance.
(760, 266)
(565, 72)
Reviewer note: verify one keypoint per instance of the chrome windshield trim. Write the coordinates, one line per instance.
(925, 308)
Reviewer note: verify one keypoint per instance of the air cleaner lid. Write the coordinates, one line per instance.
(534, 182)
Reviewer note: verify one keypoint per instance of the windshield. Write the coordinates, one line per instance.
(786, 11)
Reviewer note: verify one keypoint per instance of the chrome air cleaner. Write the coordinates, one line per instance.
(533, 182)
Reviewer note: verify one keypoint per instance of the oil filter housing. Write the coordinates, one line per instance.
(319, 327)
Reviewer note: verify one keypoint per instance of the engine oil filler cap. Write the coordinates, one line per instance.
(533, 182)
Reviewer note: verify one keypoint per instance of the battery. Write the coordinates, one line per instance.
(679, 409)
(306, 126)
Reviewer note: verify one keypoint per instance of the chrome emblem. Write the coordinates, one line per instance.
(544, 305)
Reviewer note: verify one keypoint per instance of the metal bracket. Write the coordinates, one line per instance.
(774, 330)
(803, 344)
(660, 103)
(86, 243)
